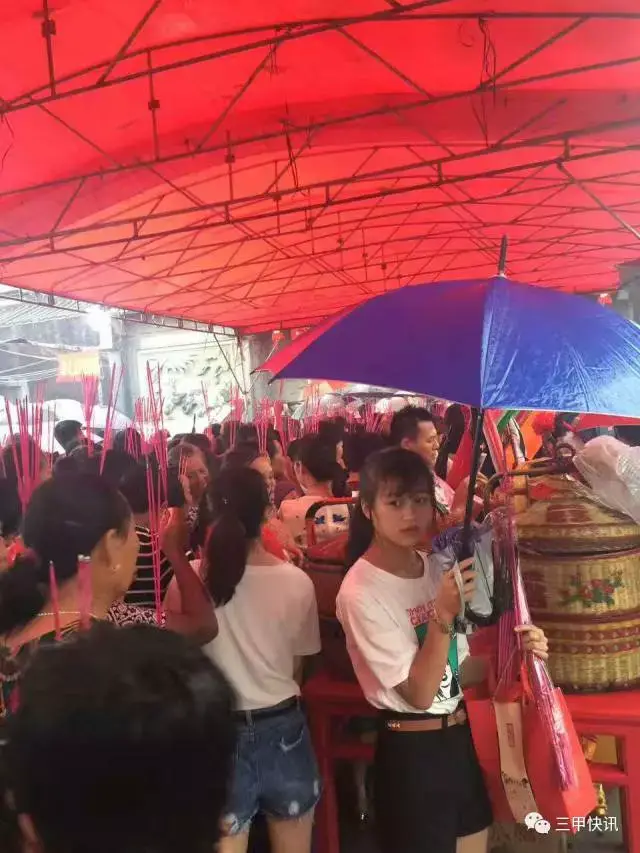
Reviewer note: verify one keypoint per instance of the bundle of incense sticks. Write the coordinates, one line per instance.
(51, 438)
(262, 422)
(236, 402)
(156, 400)
(311, 421)
(372, 419)
(291, 430)
(279, 424)
(143, 425)
(26, 446)
(114, 390)
(342, 412)
(90, 388)
(208, 431)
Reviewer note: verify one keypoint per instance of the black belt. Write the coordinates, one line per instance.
(249, 717)
(385, 716)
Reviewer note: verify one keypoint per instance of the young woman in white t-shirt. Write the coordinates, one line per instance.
(398, 615)
(268, 622)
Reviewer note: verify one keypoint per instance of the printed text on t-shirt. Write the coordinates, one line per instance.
(421, 614)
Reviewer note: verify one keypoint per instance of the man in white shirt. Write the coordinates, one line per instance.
(414, 429)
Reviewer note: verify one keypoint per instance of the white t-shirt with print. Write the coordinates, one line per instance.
(329, 521)
(385, 619)
(271, 620)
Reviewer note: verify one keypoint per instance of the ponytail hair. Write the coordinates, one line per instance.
(360, 536)
(403, 471)
(66, 518)
(240, 501)
(24, 591)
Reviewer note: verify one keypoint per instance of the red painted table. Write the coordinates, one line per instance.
(330, 702)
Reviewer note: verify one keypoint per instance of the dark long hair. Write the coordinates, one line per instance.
(242, 455)
(66, 518)
(240, 501)
(108, 721)
(402, 469)
(319, 456)
(455, 423)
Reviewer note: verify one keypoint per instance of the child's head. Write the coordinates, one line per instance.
(397, 500)
(122, 736)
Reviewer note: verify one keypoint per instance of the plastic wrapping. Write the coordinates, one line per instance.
(447, 546)
(612, 469)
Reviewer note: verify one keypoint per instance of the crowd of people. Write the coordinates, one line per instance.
(151, 667)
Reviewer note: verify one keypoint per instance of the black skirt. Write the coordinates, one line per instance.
(429, 790)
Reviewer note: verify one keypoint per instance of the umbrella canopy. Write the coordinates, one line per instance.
(99, 418)
(265, 163)
(73, 410)
(491, 344)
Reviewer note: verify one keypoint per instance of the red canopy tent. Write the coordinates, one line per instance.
(265, 164)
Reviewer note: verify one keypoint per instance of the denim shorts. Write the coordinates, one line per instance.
(275, 771)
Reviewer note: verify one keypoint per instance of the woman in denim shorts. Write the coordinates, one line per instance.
(268, 621)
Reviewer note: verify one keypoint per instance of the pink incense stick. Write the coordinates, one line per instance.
(51, 439)
(237, 412)
(156, 401)
(207, 411)
(55, 601)
(85, 591)
(114, 390)
(90, 385)
(262, 423)
(153, 491)
(25, 447)
(278, 422)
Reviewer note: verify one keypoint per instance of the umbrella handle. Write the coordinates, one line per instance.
(467, 548)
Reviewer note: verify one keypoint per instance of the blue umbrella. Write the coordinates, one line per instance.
(490, 344)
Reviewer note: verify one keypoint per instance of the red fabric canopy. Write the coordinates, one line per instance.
(264, 164)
